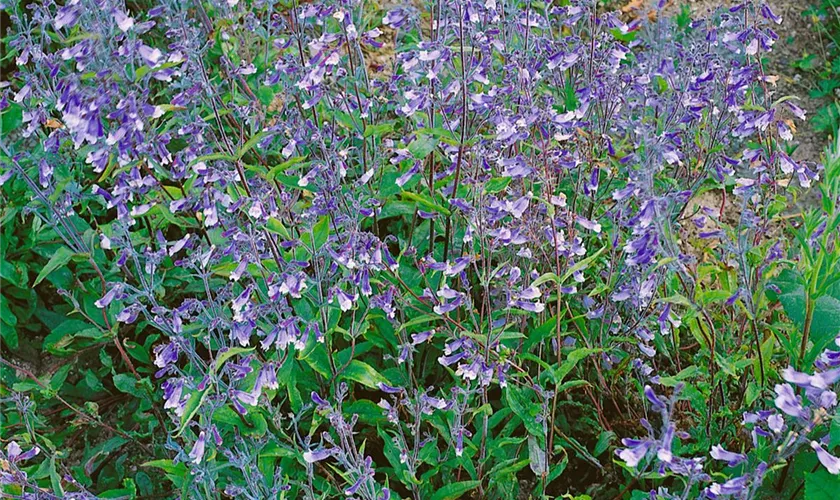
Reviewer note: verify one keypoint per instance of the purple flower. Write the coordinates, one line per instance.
(789, 402)
(634, 452)
(166, 354)
(395, 18)
(293, 285)
(345, 300)
(655, 402)
(179, 245)
(197, 452)
(448, 360)
(124, 22)
(16, 453)
(732, 487)
(355, 486)
(318, 455)
(829, 461)
(776, 423)
(241, 397)
(172, 391)
(419, 338)
(109, 296)
(664, 451)
(389, 389)
(719, 453)
(515, 167)
(267, 378)
(820, 380)
(151, 56)
(768, 13)
(68, 15)
(452, 300)
(318, 400)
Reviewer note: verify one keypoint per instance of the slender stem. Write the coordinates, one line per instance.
(758, 349)
(806, 331)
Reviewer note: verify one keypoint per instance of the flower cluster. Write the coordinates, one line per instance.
(449, 208)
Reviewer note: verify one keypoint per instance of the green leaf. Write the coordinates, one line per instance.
(396, 208)
(191, 408)
(378, 130)
(821, 485)
(197, 398)
(522, 407)
(686, 373)
(422, 146)
(265, 94)
(279, 169)
(454, 490)
(321, 231)
(834, 432)
(251, 424)
(226, 355)
(250, 144)
(274, 450)
(359, 371)
(827, 118)
(577, 267)
(661, 84)
(145, 70)
(572, 384)
(15, 273)
(125, 383)
(603, 443)
(213, 157)
(64, 335)
(59, 377)
(55, 482)
(624, 37)
(168, 466)
(275, 226)
(93, 381)
(825, 325)
(536, 456)
(293, 181)
(11, 118)
(558, 469)
(496, 184)
(6, 315)
(424, 200)
(166, 108)
(60, 258)
(8, 330)
(571, 360)
(508, 467)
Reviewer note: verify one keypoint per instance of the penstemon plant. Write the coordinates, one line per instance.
(431, 250)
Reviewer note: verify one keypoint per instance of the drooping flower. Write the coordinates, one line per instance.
(829, 461)
(16, 454)
(788, 401)
(197, 452)
(719, 453)
(634, 452)
(313, 456)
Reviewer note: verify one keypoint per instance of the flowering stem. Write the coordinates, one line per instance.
(463, 131)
